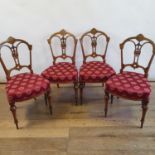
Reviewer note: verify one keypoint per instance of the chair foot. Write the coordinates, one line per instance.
(49, 101)
(13, 110)
(144, 110)
(76, 92)
(106, 99)
(81, 92)
(35, 99)
(112, 98)
(46, 99)
(58, 86)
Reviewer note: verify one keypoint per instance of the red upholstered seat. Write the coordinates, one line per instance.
(61, 72)
(26, 85)
(95, 71)
(129, 85)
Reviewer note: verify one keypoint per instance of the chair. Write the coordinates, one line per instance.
(22, 86)
(128, 84)
(62, 72)
(94, 71)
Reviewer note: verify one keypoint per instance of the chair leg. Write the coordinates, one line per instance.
(35, 99)
(13, 110)
(112, 98)
(58, 86)
(49, 101)
(81, 92)
(76, 92)
(144, 110)
(106, 99)
(46, 99)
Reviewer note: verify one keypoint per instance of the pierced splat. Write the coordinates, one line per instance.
(63, 36)
(12, 44)
(137, 52)
(94, 44)
(63, 46)
(94, 34)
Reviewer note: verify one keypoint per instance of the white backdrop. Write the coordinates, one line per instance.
(36, 20)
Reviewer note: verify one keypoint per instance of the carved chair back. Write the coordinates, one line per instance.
(138, 43)
(12, 45)
(63, 36)
(93, 35)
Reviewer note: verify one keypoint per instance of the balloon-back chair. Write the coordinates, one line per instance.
(130, 84)
(94, 71)
(62, 72)
(22, 86)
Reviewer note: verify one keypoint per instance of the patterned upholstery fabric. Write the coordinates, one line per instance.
(95, 71)
(26, 85)
(129, 85)
(61, 72)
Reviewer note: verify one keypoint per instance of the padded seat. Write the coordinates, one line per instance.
(129, 85)
(95, 71)
(61, 72)
(26, 85)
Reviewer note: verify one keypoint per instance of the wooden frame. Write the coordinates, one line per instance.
(94, 34)
(62, 35)
(139, 41)
(138, 47)
(12, 44)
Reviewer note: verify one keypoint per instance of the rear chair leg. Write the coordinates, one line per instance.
(144, 110)
(112, 98)
(81, 92)
(35, 99)
(46, 99)
(13, 110)
(106, 99)
(76, 92)
(58, 86)
(49, 101)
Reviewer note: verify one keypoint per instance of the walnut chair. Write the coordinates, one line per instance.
(62, 72)
(22, 86)
(94, 71)
(128, 84)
